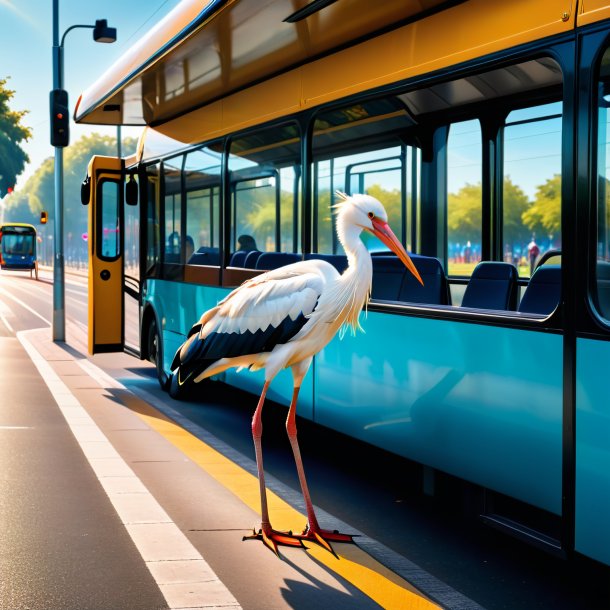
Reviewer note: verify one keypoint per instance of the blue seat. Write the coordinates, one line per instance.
(205, 256)
(493, 285)
(272, 260)
(238, 258)
(339, 261)
(251, 258)
(543, 292)
(392, 281)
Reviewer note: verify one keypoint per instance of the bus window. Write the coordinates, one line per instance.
(358, 149)
(202, 173)
(172, 213)
(464, 198)
(152, 216)
(532, 185)
(601, 291)
(109, 242)
(264, 171)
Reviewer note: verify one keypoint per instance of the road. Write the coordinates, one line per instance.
(376, 494)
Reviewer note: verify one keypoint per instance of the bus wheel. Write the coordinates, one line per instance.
(154, 353)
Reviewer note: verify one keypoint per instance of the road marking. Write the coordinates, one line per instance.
(16, 428)
(24, 305)
(156, 536)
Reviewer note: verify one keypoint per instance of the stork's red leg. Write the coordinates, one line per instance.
(270, 537)
(313, 532)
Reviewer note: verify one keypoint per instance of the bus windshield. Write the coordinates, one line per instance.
(21, 242)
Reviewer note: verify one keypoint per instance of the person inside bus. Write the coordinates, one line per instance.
(246, 243)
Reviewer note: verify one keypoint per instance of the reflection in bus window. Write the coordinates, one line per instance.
(266, 189)
(464, 198)
(171, 175)
(109, 241)
(152, 216)
(532, 185)
(202, 172)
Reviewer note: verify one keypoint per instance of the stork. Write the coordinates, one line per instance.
(281, 319)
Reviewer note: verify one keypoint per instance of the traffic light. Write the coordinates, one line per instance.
(60, 118)
(44, 217)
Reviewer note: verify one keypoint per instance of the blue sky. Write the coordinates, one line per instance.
(25, 56)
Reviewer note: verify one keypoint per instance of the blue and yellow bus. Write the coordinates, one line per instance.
(18, 247)
(484, 128)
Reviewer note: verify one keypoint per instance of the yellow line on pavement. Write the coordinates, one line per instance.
(352, 563)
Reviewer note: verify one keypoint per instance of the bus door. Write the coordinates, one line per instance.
(131, 268)
(103, 191)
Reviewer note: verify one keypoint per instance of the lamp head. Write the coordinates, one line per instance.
(102, 33)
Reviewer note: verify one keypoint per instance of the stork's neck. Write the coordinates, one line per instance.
(356, 279)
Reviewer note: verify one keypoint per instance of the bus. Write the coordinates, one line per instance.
(18, 247)
(484, 129)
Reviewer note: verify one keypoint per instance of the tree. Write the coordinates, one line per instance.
(464, 216)
(515, 203)
(12, 157)
(544, 216)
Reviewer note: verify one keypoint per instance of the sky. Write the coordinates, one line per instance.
(26, 35)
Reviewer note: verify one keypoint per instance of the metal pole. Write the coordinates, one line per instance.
(59, 312)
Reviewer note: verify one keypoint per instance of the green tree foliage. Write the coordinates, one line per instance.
(464, 214)
(544, 216)
(515, 203)
(12, 157)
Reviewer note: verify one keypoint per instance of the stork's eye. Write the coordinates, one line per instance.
(371, 215)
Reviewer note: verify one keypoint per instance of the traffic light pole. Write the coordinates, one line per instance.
(59, 294)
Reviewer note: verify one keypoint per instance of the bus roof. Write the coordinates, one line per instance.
(202, 51)
(24, 225)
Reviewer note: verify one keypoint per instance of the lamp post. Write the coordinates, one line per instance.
(101, 33)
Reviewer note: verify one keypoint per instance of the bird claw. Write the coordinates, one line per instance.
(324, 537)
(272, 538)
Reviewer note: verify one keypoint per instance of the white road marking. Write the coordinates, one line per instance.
(188, 582)
(24, 305)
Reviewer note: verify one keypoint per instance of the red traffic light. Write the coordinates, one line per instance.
(9, 190)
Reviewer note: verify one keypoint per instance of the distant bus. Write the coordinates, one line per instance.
(18, 247)
(484, 128)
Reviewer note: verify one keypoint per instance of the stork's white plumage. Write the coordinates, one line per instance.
(281, 319)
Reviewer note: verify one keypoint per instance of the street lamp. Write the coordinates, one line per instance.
(60, 117)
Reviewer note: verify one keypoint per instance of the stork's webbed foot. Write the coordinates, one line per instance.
(272, 538)
(323, 537)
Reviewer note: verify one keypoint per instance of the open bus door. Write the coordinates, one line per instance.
(103, 192)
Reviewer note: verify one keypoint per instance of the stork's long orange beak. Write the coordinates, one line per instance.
(382, 231)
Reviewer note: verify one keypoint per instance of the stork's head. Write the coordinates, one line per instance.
(368, 214)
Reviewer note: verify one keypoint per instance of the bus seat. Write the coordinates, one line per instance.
(435, 289)
(272, 260)
(393, 282)
(251, 258)
(338, 261)
(238, 258)
(602, 297)
(388, 272)
(206, 255)
(493, 285)
(543, 292)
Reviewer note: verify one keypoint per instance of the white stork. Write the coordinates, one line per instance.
(281, 319)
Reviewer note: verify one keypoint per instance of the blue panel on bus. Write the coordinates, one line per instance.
(481, 402)
(593, 449)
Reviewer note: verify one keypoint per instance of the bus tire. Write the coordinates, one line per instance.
(155, 353)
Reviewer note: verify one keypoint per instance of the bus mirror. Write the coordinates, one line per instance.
(85, 191)
(131, 191)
